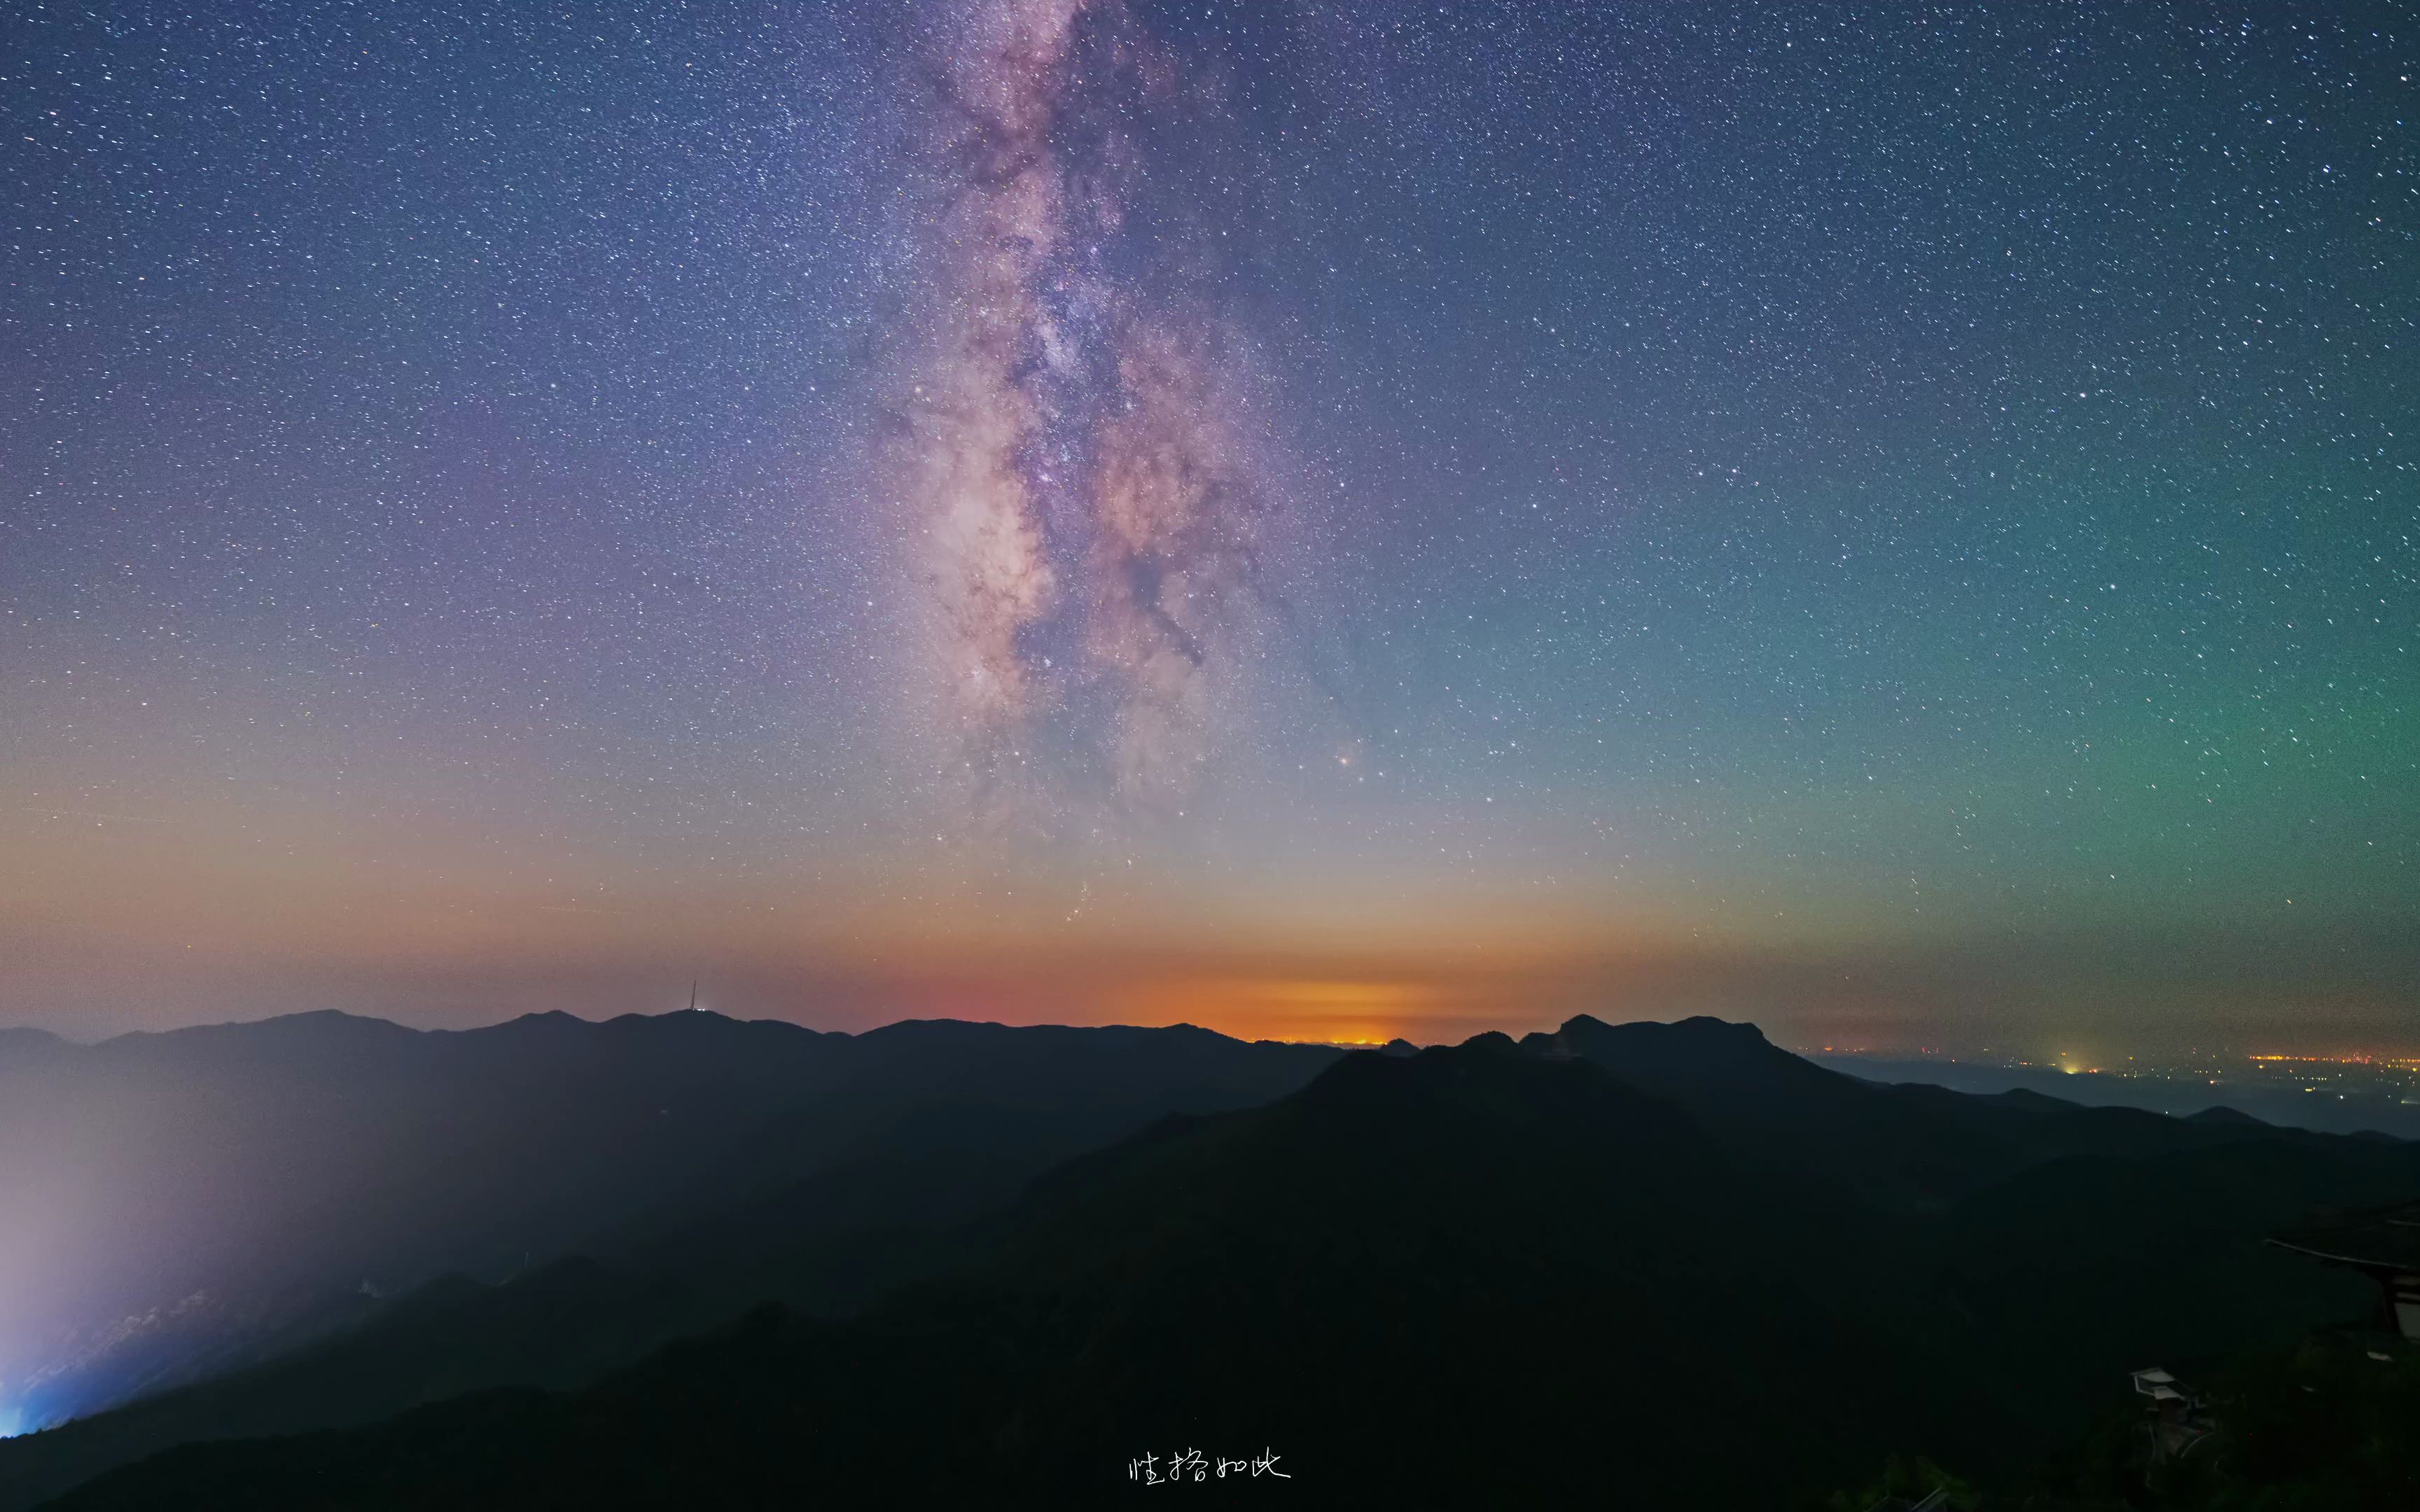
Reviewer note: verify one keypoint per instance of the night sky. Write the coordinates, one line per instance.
(1327, 519)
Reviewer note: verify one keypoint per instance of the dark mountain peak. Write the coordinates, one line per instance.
(914, 1036)
(1188, 1034)
(1485, 1071)
(1357, 1071)
(1691, 1049)
(921, 1026)
(319, 1027)
(699, 1023)
(1379, 1129)
(2224, 1114)
(959, 1030)
(1699, 1028)
(315, 1021)
(1399, 1047)
(552, 1019)
(1706, 1024)
(1905, 1153)
(1719, 1070)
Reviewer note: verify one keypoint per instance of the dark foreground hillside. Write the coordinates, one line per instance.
(264, 1206)
(1648, 1265)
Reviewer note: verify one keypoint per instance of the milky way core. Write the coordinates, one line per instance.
(1342, 520)
(1085, 478)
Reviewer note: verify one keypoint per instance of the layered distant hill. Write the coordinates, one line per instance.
(1663, 1265)
(179, 1203)
(2325, 1106)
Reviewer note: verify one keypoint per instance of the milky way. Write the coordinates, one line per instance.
(1086, 478)
(1133, 494)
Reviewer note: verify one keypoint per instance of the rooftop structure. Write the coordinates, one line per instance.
(2179, 1419)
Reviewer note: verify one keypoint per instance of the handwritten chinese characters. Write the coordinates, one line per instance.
(1191, 1466)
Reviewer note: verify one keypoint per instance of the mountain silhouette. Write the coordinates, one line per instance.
(244, 1193)
(1659, 1264)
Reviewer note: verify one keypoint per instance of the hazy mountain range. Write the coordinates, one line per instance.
(2319, 1104)
(179, 1200)
(1656, 1264)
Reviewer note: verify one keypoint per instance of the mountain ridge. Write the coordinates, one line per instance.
(1641, 1174)
(304, 1153)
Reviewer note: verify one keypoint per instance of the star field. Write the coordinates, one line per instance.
(1898, 521)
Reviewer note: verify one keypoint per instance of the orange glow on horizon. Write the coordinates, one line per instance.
(1306, 1010)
